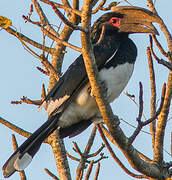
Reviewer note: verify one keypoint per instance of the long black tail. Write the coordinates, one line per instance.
(22, 157)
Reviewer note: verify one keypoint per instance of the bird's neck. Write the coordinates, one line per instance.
(110, 40)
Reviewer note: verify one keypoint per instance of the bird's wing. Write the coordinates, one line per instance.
(76, 77)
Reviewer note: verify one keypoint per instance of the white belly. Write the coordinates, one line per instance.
(116, 79)
(84, 107)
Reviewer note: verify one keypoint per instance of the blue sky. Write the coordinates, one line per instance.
(19, 77)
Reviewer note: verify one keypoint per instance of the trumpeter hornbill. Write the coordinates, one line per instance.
(71, 108)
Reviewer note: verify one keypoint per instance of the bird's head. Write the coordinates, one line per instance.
(126, 20)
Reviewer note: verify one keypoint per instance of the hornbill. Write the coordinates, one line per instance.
(71, 107)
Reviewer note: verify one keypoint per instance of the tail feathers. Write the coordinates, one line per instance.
(74, 129)
(14, 163)
(22, 157)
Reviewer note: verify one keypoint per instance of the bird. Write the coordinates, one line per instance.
(71, 107)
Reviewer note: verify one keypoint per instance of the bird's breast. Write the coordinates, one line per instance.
(84, 106)
(116, 79)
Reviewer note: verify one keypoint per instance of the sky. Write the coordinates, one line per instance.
(19, 77)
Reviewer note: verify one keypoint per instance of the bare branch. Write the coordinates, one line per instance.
(160, 61)
(141, 123)
(99, 7)
(59, 40)
(153, 94)
(68, 9)
(115, 157)
(72, 157)
(140, 103)
(49, 66)
(15, 128)
(84, 155)
(59, 152)
(159, 109)
(21, 36)
(51, 174)
(132, 97)
(89, 171)
(90, 64)
(97, 152)
(151, 6)
(109, 136)
(26, 100)
(97, 171)
(65, 20)
(43, 19)
(159, 46)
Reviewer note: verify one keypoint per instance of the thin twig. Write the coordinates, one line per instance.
(132, 97)
(142, 124)
(51, 174)
(89, 171)
(43, 19)
(68, 9)
(84, 156)
(48, 65)
(140, 103)
(109, 136)
(159, 109)
(59, 40)
(72, 157)
(159, 46)
(27, 19)
(26, 100)
(65, 20)
(101, 35)
(99, 7)
(134, 126)
(21, 36)
(97, 152)
(160, 61)
(97, 171)
(15, 128)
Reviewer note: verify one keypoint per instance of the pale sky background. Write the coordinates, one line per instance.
(19, 77)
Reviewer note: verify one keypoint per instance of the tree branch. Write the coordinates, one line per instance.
(160, 61)
(84, 156)
(15, 128)
(115, 157)
(142, 124)
(45, 31)
(67, 9)
(153, 94)
(162, 120)
(43, 19)
(97, 172)
(51, 174)
(89, 171)
(59, 152)
(65, 20)
(109, 136)
(21, 36)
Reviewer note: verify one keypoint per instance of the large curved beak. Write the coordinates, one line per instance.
(137, 20)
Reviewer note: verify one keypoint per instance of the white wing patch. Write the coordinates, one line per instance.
(55, 104)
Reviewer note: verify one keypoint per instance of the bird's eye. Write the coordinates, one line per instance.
(115, 21)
